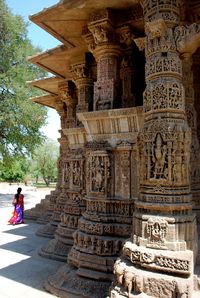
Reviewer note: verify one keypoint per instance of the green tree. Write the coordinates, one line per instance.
(20, 118)
(44, 162)
(16, 171)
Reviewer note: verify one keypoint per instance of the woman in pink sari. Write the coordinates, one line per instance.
(18, 202)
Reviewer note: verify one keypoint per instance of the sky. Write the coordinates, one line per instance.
(42, 39)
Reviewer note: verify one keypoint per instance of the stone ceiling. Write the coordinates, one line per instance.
(66, 21)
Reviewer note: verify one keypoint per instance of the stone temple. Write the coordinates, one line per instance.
(125, 212)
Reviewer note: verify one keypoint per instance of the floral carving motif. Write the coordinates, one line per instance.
(170, 94)
(161, 63)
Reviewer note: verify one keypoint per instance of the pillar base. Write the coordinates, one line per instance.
(59, 247)
(56, 250)
(45, 217)
(132, 281)
(48, 230)
(66, 284)
(36, 212)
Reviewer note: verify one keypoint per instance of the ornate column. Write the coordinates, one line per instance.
(84, 83)
(70, 204)
(196, 85)
(131, 68)
(67, 94)
(105, 223)
(158, 259)
(106, 52)
(192, 121)
(127, 67)
(53, 210)
(43, 211)
(98, 240)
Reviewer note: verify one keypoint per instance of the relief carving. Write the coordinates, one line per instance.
(170, 94)
(156, 29)
(126, 36)
(156, 230)
(187, 39)
(98, 168)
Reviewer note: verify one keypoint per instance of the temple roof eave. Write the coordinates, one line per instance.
(49, 100)
(66, 19)
(49, 85)
(58, 60)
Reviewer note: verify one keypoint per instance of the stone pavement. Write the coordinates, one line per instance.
(22, 270)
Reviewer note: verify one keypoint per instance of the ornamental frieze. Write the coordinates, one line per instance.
(113, 207)
(70, 221)
(104, 228)
(98, 245)
(73, 209)
(149, 258)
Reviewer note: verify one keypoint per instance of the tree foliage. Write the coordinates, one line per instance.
(44, 162)
(20, 118)
(16, 171)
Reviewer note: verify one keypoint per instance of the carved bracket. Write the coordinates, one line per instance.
(187, 39)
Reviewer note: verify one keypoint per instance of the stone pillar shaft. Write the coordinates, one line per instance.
(106, 53)
(84, 85)
(164, 228)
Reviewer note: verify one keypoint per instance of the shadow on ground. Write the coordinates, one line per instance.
(19, 260)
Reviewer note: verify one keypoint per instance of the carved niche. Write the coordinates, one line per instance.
(156, 230)
(98, 173)
(165, 156)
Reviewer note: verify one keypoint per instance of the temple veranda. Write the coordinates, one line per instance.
(125, 213)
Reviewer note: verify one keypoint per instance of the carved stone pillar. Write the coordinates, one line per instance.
(196, 85)
(106, 53)
(84, 85)
(192, 121)
(163, 241)
(128, 70)
(73, 204)
(43, 211)
(56, 204)
(67, 94)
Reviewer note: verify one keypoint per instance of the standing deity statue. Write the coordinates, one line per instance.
(159, 156)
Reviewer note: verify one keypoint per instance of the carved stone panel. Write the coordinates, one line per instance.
(98, 173)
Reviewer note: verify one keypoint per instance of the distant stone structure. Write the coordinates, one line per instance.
(126, 85)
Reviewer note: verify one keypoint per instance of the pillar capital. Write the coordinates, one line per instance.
(101, 26)
(67, 93)
(104, 36)
(81, 74)
(126, 36)
(60, 108)
(84, 83)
